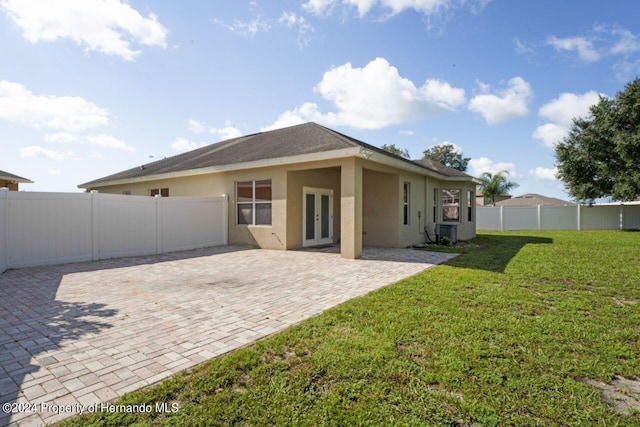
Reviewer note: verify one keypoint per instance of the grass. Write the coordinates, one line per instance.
(498, 336)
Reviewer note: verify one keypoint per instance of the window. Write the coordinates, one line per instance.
(435, 205)
(163, 192)
(405, 203)
(253, 202)
(470, 199)
(451, 205)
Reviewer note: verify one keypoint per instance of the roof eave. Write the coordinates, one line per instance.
(416, 168)
(326, 155)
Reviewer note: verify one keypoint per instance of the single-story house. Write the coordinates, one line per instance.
(12, 181)
(532, 199)
(308, 185)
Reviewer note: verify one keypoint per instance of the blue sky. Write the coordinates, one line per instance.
(92, 87)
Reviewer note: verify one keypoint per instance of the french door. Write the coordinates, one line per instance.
(317, 216)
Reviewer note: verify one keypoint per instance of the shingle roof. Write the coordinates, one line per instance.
(307, 138)
(11, 177)
(533, 200)
(439, 167)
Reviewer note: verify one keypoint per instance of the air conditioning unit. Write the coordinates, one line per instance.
(448, 230)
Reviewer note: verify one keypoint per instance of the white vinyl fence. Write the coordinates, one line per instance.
(596, 217)
(53, 228)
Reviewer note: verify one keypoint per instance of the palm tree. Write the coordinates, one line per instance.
(492, 185)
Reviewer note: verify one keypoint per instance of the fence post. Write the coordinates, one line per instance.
(621, 216)
(225, 218)
(539, 218)
(579, 216)
(501, 218)
(158, 201)
(95, 232)
(4, 215)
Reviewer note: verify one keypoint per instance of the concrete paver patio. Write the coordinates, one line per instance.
(80, 334)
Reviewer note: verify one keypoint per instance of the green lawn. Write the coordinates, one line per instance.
(497, 336)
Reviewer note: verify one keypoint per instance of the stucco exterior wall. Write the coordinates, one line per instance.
(380, 215)
(10, 185)
(379, 195)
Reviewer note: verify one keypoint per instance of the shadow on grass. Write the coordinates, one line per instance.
(492, 252)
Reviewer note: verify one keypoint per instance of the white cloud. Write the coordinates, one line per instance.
(66, 113)
(581, 45)
(374, 97)
(305, 29)
(63, 137)
(407, 132)
(195, 126)
(306, 112)
(109, 141)
(484, 164)
(183, 145)
(226, 132)
(522, 49)
(544, 174)
(626, 70)
(35, 151)
(550, 134)
(627, 42)
(54, 171)
(560, 113)
(509, 103)
(394, 7)
(246, 28)
(104, 26)
(319, 7)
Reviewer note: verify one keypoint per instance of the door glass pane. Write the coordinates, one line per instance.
(310, 217)
(324, 216)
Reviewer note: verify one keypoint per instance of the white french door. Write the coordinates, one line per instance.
(317, 216)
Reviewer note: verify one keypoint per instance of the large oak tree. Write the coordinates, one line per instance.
(600, 156)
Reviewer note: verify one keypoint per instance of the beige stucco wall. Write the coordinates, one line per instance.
(375, 196)
(10, 185)
(380, 215)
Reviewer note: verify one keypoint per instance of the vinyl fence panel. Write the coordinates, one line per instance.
(192, 222)
(632, 217)
(54, 228)
(520, 218)
(558, 218)
(124, 225)
(605, 217)
(3, 235)
(576, 217)
(488, 218)
(48, 228)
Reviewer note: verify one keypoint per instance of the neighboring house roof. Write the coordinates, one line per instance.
(15, 178)
(305, 139)
(533, 200)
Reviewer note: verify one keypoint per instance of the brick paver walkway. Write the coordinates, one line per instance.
(80, 334)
